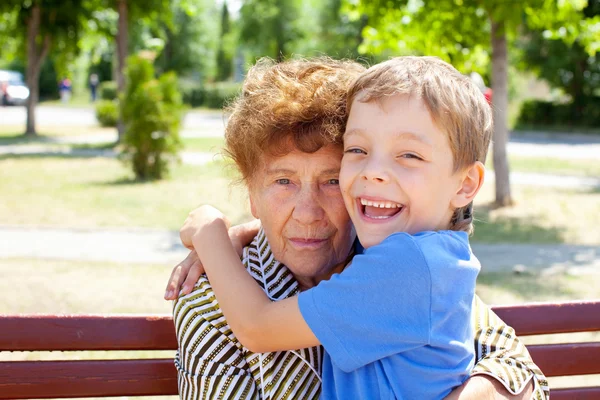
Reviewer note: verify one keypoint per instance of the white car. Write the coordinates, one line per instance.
(13, 90)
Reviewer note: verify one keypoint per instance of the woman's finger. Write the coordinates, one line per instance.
(178, 275)
(192, 277)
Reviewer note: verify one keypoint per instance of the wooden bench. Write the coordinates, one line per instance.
(142, 377)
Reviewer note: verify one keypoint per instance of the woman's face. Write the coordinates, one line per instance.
(298, 200)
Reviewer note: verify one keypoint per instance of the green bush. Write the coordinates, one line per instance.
(108, 90)
(151, 110)
(218, 94)
(545, 113)
(107, 112)
(192, 93)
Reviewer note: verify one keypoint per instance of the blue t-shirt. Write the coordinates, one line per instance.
(396, 323)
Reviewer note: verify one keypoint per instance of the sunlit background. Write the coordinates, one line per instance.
(82, 230)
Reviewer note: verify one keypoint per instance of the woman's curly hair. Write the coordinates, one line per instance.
(297, 104)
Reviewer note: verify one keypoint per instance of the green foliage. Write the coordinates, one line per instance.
(567, 66)
(216, 95)
(108, 90)
(269, 27)
(564, 115)
(458, 31)
(107, 112)
(191, 40)
(151, 111)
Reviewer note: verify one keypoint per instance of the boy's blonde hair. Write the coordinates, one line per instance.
(455, 104)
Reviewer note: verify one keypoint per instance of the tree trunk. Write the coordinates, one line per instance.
(500, 110)
(122, 43)
(35, 56)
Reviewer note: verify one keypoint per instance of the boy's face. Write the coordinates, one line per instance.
(397, 170)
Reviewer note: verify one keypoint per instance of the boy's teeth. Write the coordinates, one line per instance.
(379, 204)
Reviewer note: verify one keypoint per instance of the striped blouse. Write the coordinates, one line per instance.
(212, 364)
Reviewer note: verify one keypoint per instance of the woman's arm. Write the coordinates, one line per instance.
(501, 355)
(258, 323)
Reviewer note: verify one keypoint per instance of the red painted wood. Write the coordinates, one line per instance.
(87, 332)
(98, 378)
(592, 393)
(567, 359)
(540, 318)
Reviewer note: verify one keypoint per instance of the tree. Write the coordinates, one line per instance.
(151, 11)
(191, 40)
(569, 67)
(224, 54)
(269, 27)
(40, 24)
(464, 32)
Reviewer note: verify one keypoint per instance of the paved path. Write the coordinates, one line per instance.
(146, 246)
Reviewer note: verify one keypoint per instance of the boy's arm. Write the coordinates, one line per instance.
(502, 356)
(258, 323)
(185, 275)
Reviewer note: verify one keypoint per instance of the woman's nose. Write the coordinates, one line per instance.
(308, 208)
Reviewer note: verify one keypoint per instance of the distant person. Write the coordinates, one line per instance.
(93, 86)
(4, 93)
(65, 90)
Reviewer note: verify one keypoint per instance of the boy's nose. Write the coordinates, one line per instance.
(375, 172)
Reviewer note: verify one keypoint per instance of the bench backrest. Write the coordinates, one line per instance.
(142, 377)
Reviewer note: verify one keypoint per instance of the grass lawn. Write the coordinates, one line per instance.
(548, 165)
(93, 192)
(45, 286)
(100, 192)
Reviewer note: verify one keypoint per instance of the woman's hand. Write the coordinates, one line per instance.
(185, 275)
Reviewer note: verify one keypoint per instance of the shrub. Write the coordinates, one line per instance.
(192, 93)
(107, 112)
(108, 90)
(218, 94)
(151, 110)
(545, 113)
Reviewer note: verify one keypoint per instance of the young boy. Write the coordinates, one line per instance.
(396, 322)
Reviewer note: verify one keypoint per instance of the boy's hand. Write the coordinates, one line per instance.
(200, 224)
(185, 274)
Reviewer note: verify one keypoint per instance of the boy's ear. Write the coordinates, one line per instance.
(472, 180)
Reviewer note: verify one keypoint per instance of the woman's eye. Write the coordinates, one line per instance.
(283, 181)
(333, 182)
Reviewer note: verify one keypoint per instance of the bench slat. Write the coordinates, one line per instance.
(87, 332)
(98, 378)
(567, 359)
(542, 318)
(591, 393)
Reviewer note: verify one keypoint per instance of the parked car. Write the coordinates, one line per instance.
(12, 88)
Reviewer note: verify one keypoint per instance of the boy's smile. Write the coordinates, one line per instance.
(397, 171)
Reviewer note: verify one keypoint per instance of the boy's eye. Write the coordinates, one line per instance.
(354, 150)
(411, 156)
(283, 181)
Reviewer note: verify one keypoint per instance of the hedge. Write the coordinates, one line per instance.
(546, 113)
(194, 94)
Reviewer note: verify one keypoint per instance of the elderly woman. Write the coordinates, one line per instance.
(284, 136)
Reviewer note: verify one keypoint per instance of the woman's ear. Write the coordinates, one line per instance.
(472, 180)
